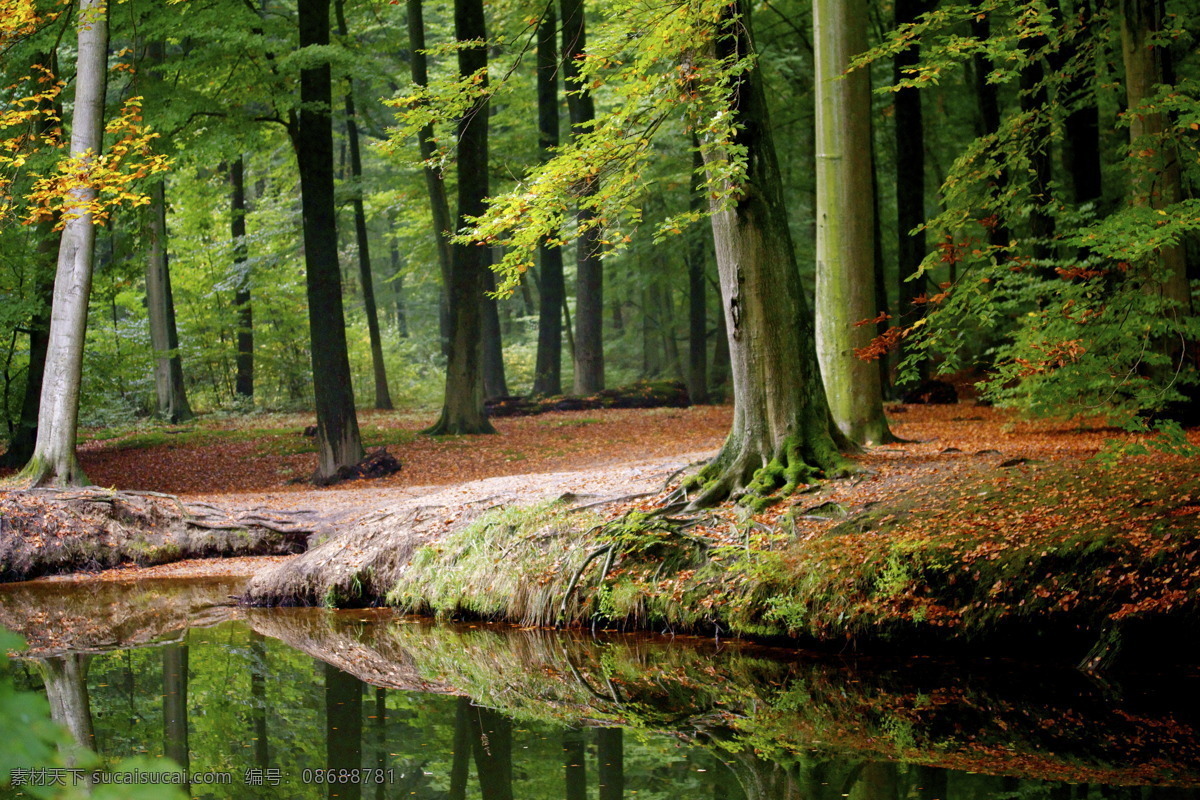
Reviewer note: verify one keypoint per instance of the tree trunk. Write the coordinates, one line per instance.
(65, 678)
(697, 373)
(22, 440)
(845, 278)
(383, 399)
(547, 376)
(175, 708)
(781, 434)
(462, 408)
(160, 303)
(241, 296)
(589, 282)
(610, 756)
(258, 699)
(1155, 185)
(1081, 153)
(989, 117)
(398, 288)
(1034, 102)
(439, 206)
(338, 441)
(910, 182)
(574, 749)
(494, 384)
(53, 460)
(21, 444)
(845, 227)
(460, 760)
(343, 730)
(491, 738)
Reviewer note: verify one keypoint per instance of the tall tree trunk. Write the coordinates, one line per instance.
(398, 289)
(989, 117)
(383, 399)
(781, 434)
(343, 730)
(244, 386)
(491, 739)
(20, 446)
(338, 441)
(697, 373)
(462, 408)
(53, 460)
(1081, 153)
(845, 228)
(258, 699)
(589, 282)
(160, 303)
(1034, 102)
(175, 707)
(439, 206)
(494, 384)
(22, 440)
(610, 756)
(910, 181)
(574, 749)
(65, 678)
(547, 374)
(1156, 184)
(460, 760)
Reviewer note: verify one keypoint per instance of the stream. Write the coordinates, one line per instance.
(313, 703)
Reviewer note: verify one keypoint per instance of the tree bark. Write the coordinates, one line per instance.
(845, 293)
(781, 434)
(160, 303)
(491, 740)
(697, 373)
(53, 460)
(244, 386)
(175, 707)
(439, 206)
(610, 756)
(494, 383)
(338, 442)
(343, 730)
(1156, 184)
(383, 399)
(24, 437)
(575, 764)
(65, 678)
(547, 377)
(589, 282)
(462, 408)
(910, 181)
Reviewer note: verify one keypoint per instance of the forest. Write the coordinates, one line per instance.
(860, 326)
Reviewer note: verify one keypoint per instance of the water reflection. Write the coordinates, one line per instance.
(305, 703)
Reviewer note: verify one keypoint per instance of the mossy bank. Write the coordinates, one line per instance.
(1055, 562)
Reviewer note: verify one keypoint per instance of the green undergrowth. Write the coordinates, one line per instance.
(1040, 549)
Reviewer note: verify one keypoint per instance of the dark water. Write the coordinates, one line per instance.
(308, 703)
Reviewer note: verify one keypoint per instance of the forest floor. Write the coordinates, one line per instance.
(974, 521)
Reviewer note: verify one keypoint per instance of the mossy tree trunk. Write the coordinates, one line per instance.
(845, 222)
(338, 441)
(462, 406)
(54, 460)
(781, 434)
(65, 678)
